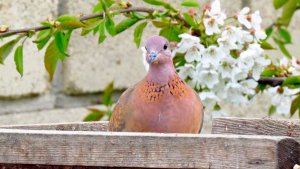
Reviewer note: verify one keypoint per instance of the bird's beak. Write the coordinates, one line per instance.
(152, 57)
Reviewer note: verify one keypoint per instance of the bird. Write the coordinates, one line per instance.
(161, 102)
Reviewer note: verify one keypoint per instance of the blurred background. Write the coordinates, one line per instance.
(79, 81)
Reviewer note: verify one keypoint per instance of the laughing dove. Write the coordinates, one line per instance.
(162, 101)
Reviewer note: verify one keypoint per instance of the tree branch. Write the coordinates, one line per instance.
(39, 28)
(272, 81)
(130, 9)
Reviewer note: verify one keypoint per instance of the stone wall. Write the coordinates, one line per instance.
(80, 79)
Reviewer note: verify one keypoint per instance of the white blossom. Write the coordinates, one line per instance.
(243, 17)
(208, 78)
(246, 59)
(216, 13)
(282, 101)
(228, 68)
(194, 53)
(295, 67)
(249, 86)
(211, 26)
(213, 18)
(259, 34)
(209, 99)
(212, 56)
(256, 20)
(234, 92)
(186, 71)
(259, 65)
(220, 69)
(187, 41)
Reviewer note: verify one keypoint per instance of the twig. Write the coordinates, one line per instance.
(272, 81)
(39, 28)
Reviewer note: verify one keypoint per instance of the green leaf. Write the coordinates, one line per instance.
(85, 32)
(179, 60)
(6, 49)
(160, 3)
(94, 115)
(282, 48)
(138, 15)
(52, 55)
(67, 38)
(267, 73)
(160, 24)
(42, 35)
(272, 110)
(190, 3)
(102, 35)
(47, 24)
(190, 20)
(269, 31)
(292, 81)
(266, 45)
(171, 33)
(288, 11)
(70, 25)
(278, 3)
(125, 24)
(155, 2)
(285, 34)
(261, 87)
(92, 25)
(61, 43)
(295, 105)
(138, 32)
(19, 59)
(64, 18)
(98, 8)
(41, 44)
(42, 38)
(107, 94)
(110, 26)
(69, 22)
(107, 3)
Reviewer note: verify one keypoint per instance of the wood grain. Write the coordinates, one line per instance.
(249, 126)
(149, 150)
(78, 126)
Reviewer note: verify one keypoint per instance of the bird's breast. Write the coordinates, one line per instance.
(156, 92)
(163, 107)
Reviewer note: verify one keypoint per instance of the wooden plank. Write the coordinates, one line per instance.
(33, 166)
(152, 150)
(254, 126)
(78, 126)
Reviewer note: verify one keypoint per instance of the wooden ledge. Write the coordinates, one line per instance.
(76, 126)
(149, 150)
(254, 126)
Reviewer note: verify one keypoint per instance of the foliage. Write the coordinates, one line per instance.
(107, 100)
(207, 23)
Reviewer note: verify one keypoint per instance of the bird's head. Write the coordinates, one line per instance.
(158, 50)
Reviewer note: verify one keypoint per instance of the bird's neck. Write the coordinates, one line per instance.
(161, 73)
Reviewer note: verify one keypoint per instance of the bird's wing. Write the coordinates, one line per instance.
(121, 110)
(202, 109)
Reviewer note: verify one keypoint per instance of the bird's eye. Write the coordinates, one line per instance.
(165, 46)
